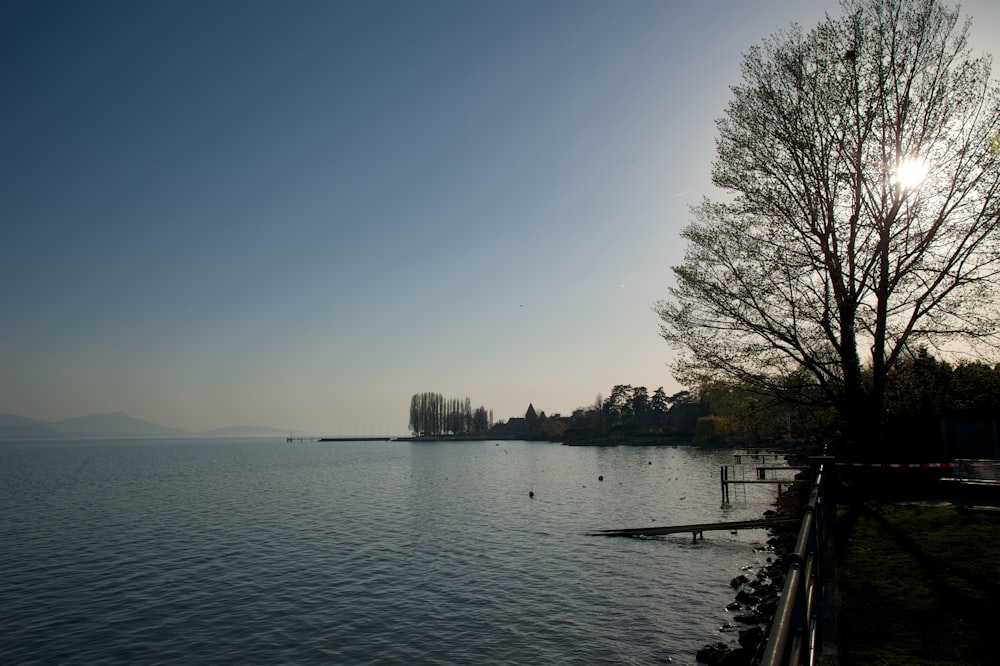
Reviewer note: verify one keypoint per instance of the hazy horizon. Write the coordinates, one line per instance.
(298, 214)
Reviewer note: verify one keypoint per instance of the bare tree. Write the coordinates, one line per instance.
(861, 221)
(431, 414)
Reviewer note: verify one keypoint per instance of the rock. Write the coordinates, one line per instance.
(751, 638)
(748, 618)
(720, 655)
(734, 606)
(737, 657)
(768, 607)
(764, 591)
(707, 653)
(739, 581)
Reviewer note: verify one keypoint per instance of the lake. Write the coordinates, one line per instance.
(257, 551)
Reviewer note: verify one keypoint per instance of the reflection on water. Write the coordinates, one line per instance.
(256, 551)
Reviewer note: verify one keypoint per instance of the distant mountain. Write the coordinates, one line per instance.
(22, 427)
(15, 421)
(115, 424)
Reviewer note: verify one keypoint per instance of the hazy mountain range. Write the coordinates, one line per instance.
(115, 424)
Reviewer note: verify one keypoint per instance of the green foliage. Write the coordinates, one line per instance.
(710, 430)
(631, 412)
(922, 391)
(749, 416)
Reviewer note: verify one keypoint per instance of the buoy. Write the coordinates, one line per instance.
(600, 478)
(531, 493)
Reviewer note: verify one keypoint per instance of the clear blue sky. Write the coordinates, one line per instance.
(298, 214)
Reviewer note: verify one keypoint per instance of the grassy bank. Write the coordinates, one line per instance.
(918, 585)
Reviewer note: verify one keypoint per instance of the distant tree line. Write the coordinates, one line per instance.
(632, 412)
(431, 414)
(934, 411)
(628, 413)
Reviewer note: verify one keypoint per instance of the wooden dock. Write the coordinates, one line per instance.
(697, 530)
(296, 438)
(756, 455)
(725, 481)
(762, 470)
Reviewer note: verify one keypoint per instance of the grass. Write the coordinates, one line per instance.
(918, 585)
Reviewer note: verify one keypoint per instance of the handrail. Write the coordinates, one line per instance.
(976, 469)
(792, 637)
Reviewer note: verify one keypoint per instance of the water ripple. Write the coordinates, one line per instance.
(261, 552)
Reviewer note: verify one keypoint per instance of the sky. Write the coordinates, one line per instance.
(298, 214)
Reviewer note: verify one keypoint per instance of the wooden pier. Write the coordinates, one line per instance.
(296, 438)
(762, 470)
(725, 481)
(756, 455)
(697, 530)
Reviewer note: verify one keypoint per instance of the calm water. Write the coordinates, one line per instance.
(260, 552)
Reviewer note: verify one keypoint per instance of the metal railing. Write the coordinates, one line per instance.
(793, 636)
(967, 469)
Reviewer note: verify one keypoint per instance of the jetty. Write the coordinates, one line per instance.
(296, 438)
(762, 468)
(697, 530)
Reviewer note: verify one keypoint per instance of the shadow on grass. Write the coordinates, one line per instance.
(918, 585)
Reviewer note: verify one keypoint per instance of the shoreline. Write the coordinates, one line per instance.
(757, 596)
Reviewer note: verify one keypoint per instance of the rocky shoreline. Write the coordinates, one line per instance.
(757, 592)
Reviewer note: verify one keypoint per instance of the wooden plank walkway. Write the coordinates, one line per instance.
(725, 481)
(695, 529)
(796, 468)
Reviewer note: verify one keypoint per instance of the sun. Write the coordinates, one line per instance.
(911, 172)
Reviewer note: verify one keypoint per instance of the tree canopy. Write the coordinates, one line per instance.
(859, 222)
